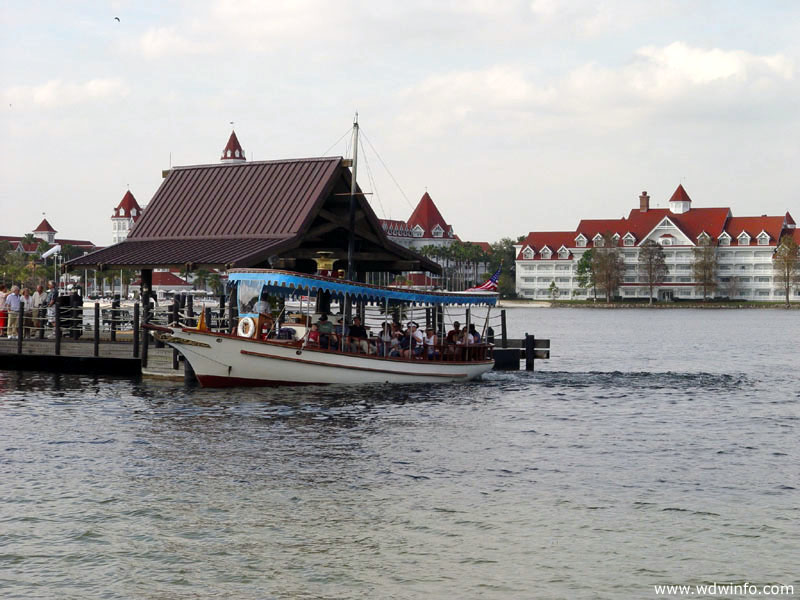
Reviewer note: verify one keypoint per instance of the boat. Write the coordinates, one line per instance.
(269, 349)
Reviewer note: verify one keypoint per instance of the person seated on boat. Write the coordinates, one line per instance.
(476, 337)
(385, 340)
(358, 338)
(399, 341)
(453, 334)
(313, 336)
(431, 352)
(327, 337)
(415, 341)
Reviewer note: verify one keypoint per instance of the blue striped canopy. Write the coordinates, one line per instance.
(287, 283)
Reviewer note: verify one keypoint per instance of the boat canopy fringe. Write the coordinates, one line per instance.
(287, 283)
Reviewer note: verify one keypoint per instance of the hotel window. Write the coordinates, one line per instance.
(665, 241)
(628, 240)
(437, 231)
(563, 253)
(763, 240)
(580, 241)
(724, 241)
(417, 231)
(545, 253)
(744, 240)
(527, 253)
(598, 241)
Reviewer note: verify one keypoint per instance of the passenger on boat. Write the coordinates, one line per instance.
(399, 340)
(415, 341)
(385, 339)
(3, 311)
(358, 337)
(313, 336)
(453, 334)
(327, 337)
(431, 353)
(476, 337)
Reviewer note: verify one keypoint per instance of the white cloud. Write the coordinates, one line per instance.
(165, 41)
(655, 78)
(57, 92)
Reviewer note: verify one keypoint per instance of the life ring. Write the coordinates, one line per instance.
(247, 327)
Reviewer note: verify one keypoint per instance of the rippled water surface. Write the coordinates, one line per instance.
(655, 447)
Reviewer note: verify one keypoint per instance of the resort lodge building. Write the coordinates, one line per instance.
(744, 249)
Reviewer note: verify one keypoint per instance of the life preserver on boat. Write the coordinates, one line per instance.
(247, 327)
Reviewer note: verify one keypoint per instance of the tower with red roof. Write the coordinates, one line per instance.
(233, 152)
(125, 215)
(44, 231)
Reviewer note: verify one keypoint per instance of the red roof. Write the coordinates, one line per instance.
(43, 227)
(754, 226)
(639, 224)
(166, 278)
(789, 220)
(233, 149)
(680, 195)
(551, 239)
(127, 205)
(427, 216)
(485, 246)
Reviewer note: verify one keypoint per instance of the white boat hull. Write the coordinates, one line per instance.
(224, 361)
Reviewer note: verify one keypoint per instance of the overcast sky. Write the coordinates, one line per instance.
(516, 116)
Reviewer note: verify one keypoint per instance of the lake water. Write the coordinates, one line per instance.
(655, 447)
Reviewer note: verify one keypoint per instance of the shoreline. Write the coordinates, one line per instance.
(601, 304)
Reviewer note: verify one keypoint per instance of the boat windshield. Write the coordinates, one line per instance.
(249, 294)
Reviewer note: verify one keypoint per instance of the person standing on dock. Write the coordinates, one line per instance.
(38, 304)
(12, 306)
(50, 300)
(3, 311)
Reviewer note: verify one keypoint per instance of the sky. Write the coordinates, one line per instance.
(514, 116)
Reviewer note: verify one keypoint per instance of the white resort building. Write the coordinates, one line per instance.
(744, 248)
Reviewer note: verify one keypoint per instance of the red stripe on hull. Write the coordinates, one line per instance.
(215, 381)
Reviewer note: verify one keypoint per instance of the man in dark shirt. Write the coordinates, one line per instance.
(358, 337)
(454, 333)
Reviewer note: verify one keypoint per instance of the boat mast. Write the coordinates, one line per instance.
(351, 243)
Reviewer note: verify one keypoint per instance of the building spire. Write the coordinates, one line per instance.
(232, 153)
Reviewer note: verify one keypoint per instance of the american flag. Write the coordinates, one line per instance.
(490, 285)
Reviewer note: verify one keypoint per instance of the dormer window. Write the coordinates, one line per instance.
(437, 231)
(598, 241)
(628, 240)
(743, 239)
(665, 241)
(724, 239)
(615, 237)
(527, 253)
(763, 238)
(546, 254)
(580, 241)
(417, 231)
(563, 253)
(133, 212)
(704, 238)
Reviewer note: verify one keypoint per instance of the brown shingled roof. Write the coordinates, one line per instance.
(240, 215)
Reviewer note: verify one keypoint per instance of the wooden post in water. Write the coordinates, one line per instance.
(136, 332)
(503, 331)
(96, 329)
(175, 322)
(190, 311)
(114, 315)
(58, 328)
(145, 333)
(207, 311)
(221, 322)
(530, 352)
(20, 327)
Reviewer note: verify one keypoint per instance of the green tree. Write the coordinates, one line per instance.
(786, 263)
(652, 265)
(608, 266)
(503, 253)
(704, 266)
(29, 238)
(215, 283)
(554, 291)
(585, 272)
